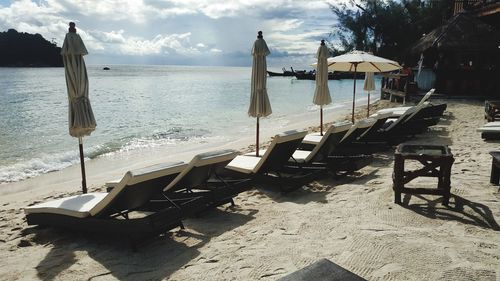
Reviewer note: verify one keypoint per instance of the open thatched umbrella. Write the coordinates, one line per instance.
(259, 101)
(322, 93)
(81, 118)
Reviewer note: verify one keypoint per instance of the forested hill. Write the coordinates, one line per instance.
(24, 49)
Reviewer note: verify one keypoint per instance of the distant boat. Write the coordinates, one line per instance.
(331, 75)
(105, 68)
(284, 73)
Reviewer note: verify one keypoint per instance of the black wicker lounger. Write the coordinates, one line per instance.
(206, 172)
(127, 210)
(271, 164)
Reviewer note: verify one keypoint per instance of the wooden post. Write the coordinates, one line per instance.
(257, 140)
(354, 91)
(82, 165)
(321, 120)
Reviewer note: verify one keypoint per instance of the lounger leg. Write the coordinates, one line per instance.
(397, 197)
(495, 173)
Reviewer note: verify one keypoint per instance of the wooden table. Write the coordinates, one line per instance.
(436, 161)
(492, 110)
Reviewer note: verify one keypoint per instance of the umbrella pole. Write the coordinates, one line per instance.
(82, 165)
(354, 92)
(257, 140)
(368, 109)
(321, 120)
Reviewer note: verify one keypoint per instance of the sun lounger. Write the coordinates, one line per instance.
(490, 132)
(322, 270)
(398, 111)
(271, 163)
(206, 172)
(127, 210)
(335, 151)
(396, 130)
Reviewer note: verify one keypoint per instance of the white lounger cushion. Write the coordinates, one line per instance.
(91, 204)
(204, 159)
(301, 156)
(316, 137)
(489, 129)
(251, 164)
(75, 206)
(398, 111)
(244, 163)
(365, 123)
(492, 124)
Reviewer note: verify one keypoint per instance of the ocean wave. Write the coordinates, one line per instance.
(58, 161)
(38, 166)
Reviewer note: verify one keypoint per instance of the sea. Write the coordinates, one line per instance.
(142, 107)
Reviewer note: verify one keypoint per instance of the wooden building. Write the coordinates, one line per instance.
(462, 56)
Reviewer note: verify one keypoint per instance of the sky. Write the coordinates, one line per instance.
(179, 32)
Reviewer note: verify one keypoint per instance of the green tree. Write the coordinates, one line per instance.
(389, 27)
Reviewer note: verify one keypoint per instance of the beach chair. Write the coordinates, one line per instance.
(322, 270)
(270, 165)
(396, 130)
(130, 210)
(206, 172)
(489, 132)
(398, 111)
(336, 150)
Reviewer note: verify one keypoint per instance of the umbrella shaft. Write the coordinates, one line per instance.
(354, 92)
(257, 139)
(82, 166)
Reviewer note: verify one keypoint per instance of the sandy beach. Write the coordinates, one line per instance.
(350, 220)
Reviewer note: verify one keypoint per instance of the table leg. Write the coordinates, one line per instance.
(495, 173)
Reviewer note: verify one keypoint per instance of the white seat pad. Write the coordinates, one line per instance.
(244, 163)
(76, 206)
(313, 138)
(300, 155)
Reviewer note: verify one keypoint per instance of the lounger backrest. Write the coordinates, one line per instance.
(380, 118)
(329, 141)
(426, 97)
(201, 168)
(137, 187)
(279, 151)
(408, 115)
(356, 130)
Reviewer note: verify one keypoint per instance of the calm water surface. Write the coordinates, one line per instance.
(136, 107)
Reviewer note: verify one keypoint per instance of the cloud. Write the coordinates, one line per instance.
(177, 31)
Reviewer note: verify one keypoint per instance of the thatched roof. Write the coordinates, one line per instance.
(462, 32)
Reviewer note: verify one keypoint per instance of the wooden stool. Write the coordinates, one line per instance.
(495, 168)
(436, 160)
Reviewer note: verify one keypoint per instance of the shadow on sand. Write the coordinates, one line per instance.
(459, 209)
(156, 259)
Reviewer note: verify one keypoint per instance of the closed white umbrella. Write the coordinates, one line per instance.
(81, 118)
(359, 61)
(259, 101)
(322, 93)
(368, 87)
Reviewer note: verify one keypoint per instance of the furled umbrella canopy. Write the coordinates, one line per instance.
(322, 92)
(368, 87)
(359, 61)
(81, 118)
(259, 100)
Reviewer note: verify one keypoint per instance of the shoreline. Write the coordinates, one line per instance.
(113, 165)
(350, 220)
